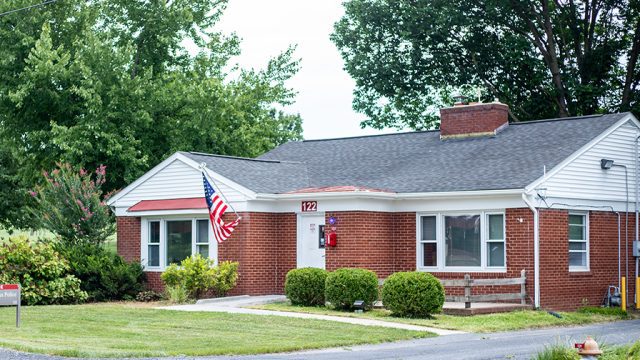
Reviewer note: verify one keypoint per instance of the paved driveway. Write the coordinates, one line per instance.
(511, 345)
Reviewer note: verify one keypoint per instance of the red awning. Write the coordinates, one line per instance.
(170, 204)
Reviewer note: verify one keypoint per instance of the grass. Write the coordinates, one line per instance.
(516, 320)
(136, 330)
(567, 352)
(110, 244)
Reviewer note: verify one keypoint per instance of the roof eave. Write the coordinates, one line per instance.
(390, 196)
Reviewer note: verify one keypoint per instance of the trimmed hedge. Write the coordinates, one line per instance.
(413, 294)
(346, 285)
(306, 286)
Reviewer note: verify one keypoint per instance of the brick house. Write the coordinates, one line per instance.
(479, 196)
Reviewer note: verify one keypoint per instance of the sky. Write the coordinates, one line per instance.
(268, 27)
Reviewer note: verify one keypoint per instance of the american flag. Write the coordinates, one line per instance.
(217, 207)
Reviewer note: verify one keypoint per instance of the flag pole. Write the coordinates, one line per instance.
(203, 167)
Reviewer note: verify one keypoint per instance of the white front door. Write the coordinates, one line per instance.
(310, 251)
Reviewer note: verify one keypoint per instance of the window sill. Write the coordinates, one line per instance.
(579, 272)
(462, 270)
(153, 269)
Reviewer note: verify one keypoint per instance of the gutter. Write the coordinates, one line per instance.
(386, 195)
(536, 248)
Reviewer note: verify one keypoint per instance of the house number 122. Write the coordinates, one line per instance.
(309, 206)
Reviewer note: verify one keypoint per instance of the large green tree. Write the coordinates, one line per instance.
(126, 83)
(543, 58)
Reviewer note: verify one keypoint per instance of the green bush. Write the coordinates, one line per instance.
(197, 275)
(413, 294)
(306, 286)
(104, 274)
(225, 277)
(344, 286)
(41, 272)
(177, 294)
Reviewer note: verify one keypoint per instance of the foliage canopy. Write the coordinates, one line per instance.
(542, 58)
(125, 84)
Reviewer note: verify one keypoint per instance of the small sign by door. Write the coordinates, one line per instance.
(309, 206)
(10, 296)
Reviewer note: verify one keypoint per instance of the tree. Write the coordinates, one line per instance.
(112, 82)
(71, 204)
(543, 58)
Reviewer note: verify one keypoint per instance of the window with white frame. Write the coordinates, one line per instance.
(153, 244)
(202, 238)
(578, 242)
(461, 242)
(169, 241)
(429, 242)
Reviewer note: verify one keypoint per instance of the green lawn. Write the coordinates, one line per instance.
(110, 244)
(516, 320)
(136, 330)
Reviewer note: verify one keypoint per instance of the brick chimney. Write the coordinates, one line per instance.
(473, 120)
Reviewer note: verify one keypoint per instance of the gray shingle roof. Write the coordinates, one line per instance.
(262, 176)
(416, 161)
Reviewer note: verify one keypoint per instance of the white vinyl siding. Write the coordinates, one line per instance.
(584, 179)
(177, 180)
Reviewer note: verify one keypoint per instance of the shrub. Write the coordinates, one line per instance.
(70, 204)
(197, 275)
(306, 286)
(104, 274)
(41, 272)
(413, 294)
(225, 278)
(344, 286)
(177, 294)
(147, 296)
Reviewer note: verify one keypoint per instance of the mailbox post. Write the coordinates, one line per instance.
(10, 296)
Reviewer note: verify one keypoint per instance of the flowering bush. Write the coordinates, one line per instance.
(70, 204)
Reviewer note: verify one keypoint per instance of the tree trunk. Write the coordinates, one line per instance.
(631, 67)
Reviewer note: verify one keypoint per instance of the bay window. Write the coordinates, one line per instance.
(171, 240)
(462, 242)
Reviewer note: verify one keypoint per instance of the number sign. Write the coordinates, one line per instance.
(309, 206)
(10, 296)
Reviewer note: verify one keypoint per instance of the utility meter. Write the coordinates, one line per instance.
(636, 248)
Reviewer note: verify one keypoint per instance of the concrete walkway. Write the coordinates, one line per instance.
(238, 304)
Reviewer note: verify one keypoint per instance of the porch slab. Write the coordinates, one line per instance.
(457, 308)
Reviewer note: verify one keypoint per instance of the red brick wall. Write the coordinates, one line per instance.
(263, 243)
(365, 240)
(561, 289)
(265, 246)
(470, 119)
(128, 245)
(519, 236)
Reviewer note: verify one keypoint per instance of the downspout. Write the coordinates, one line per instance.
(536, 249)
(637, 209)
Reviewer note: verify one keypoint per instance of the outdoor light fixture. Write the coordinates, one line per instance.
(606, 164)
(359, 306)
